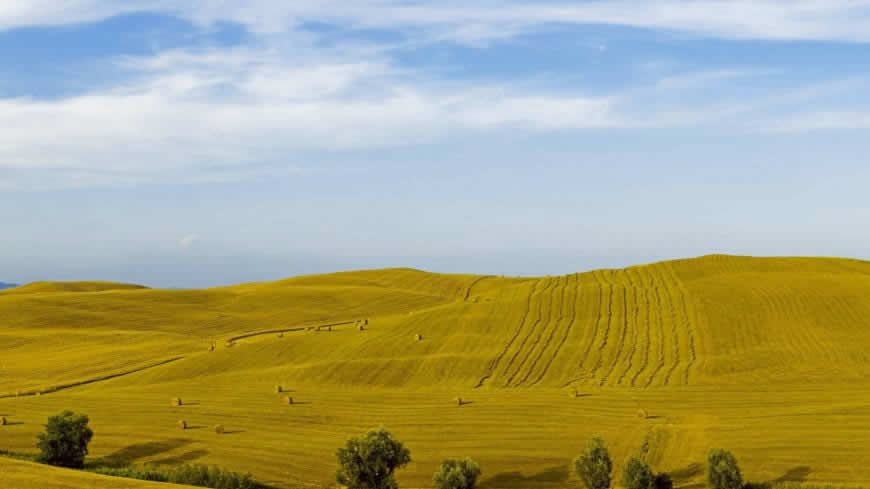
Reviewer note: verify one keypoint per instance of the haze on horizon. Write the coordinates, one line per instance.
(189, 144)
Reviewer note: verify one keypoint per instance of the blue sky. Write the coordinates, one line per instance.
(196, 143)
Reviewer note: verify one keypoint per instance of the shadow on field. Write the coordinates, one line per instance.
(683, 478)
(184, 458)
(554, 475)
(129, 455)
(14, 423)
(797, 474)
(233, 432)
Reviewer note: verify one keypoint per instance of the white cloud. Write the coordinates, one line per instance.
(212, 114)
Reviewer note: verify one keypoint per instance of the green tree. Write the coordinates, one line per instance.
(65, 440)
(722, 470)
(637, 475)
(457, 474)
(369, 461)
(594, 465)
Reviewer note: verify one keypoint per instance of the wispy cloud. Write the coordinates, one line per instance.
(839, 20)
(815, 121)
(214, 113)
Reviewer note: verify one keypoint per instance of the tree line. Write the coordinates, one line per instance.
(369, 461)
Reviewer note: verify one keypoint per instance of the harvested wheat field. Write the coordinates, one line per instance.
(767, 357)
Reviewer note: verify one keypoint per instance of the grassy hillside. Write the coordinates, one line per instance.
(767, 357)
(27, 475)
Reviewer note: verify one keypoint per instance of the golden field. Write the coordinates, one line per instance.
(767, 357)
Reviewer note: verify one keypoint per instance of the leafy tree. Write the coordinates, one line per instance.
(637, 475)
(722, 470)
(457, 474)
(369, 461)
(65, 440)
(594, 465)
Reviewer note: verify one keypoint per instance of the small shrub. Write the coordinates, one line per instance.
(757, 485)
(64, 443)
(191, 475)
(205, 476)
(637, 475)
(457, 474)
(369, 461)
(594, 466)
(722, 470)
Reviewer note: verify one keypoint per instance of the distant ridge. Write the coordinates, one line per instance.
(4, 285)
(59, 287)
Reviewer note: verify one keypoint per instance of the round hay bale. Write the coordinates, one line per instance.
(3, 421)
(211, 347)
(176, 401)
(182, 424)
(362, 328)
(574, 393)
(329, 328)
(459, 401)
(642, 414)
(219, 429)
(366, 322)
(279, 389)
(418, 337)
(280, 335)
(288, 400)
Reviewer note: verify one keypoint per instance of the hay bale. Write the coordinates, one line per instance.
(418, 337)
(182, 424)
(329, 328)
(288, 400)
(366, 322)
(459, 401)
(642, 414)
(211, 347)
(3, 421)
(574, 393)
(362, 327)
(281, 334)
(279, 389)
(219, 429)
(176, 401)
(230, 344)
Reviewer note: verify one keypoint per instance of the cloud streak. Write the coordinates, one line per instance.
(833, 20)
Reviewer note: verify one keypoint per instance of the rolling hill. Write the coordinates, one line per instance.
(765, 356)
(4, 285)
